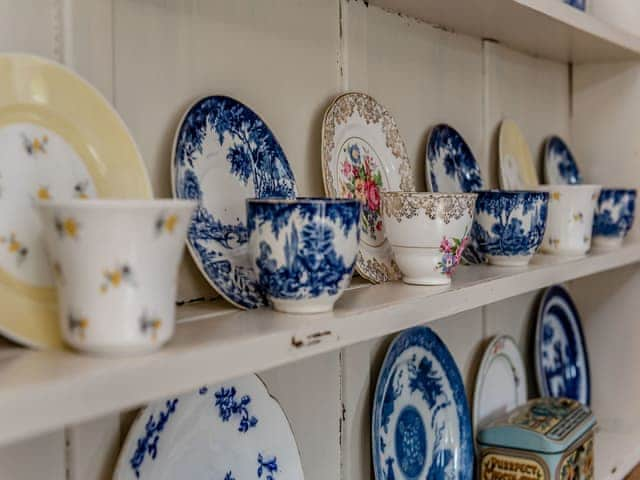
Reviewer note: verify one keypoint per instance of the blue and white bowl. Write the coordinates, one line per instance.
(509, 225)
(613, 217)
(303, 250)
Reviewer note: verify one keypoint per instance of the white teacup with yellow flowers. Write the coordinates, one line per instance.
(115, 263)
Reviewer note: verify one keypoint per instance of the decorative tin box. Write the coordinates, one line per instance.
(544, 439)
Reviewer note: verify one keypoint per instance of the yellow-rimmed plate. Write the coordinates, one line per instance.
(517, 170)
(59, 138)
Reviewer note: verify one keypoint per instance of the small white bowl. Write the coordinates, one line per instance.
(116, 264)
(428, 233)
(570, 219)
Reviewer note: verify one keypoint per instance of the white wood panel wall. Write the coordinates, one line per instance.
(287, 59)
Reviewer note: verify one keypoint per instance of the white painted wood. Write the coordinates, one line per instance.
(533, 92)
(309, 392)
(41, 391)
(93, 448)
(37, 458)
(423, 75)
(546, 28)
(32, 26)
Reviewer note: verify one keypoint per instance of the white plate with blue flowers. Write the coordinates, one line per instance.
(231, 431)
(421, 426)
(223, 154)
(362, 155)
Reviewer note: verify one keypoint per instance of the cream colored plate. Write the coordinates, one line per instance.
(501, 383)
(59, 138)
(362, 154)
(517, 170)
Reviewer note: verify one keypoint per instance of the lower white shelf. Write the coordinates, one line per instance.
(616, 453)
(42, 391)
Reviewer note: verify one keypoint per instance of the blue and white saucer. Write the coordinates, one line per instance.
(450, 164)
(231, 431)
(223, 154)
(421, 426)
(561, 361)
(560, 167)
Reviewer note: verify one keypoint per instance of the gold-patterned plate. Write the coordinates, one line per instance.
(59, 139)
(363, 154)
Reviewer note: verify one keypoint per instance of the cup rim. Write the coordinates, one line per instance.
(565, 187)
(302, 200)
(511, 192)
(398, 193)
(113, 203)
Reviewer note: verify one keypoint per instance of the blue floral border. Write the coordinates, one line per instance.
(426, 338)
(559, 291)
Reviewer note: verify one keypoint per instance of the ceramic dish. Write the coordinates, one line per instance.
(303, 250)
(421, 426)
(509, 226)
(363, 154)
(517, 170)
(614, 216)
(233, 430)
(223, 154)
(560, 167)
(428, 233)
(560, 352)
(501, 383)
(570, 219)
(59, 139)
(116, 269)
(450, 166)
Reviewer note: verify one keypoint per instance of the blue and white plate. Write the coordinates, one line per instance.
(223, 154)
(560, 167)
(231, 431)
(561, 361)
(421, 426)
(450, 166)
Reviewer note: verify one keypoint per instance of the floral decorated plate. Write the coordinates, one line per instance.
(501, 383)
(230, 431)
(560, 167)
(223, 154)
(59, 139)
(450, 166)
(421, 426)
(362, 154)
(517, 171)
(561, 361)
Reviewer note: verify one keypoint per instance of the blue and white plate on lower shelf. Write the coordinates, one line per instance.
(231, 431)
(560, 167)
(421, 427)
(561, 361)
(223, 154)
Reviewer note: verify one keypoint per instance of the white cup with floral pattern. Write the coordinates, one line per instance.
(115, 263)
(428, 233)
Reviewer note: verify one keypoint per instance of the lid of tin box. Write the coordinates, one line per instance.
(545, 425)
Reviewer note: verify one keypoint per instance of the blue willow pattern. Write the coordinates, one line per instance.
(254, 155)
(566, 164)
(409, 455)
(447, 146)
(311, 266)
(507, 235)
(606, 222)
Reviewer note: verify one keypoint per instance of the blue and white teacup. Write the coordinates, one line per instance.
(613, 217)
(509, 225)
(303, 250)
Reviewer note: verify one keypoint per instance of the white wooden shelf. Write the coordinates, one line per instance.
(545, 28)
(617, 452)
(42, 391)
